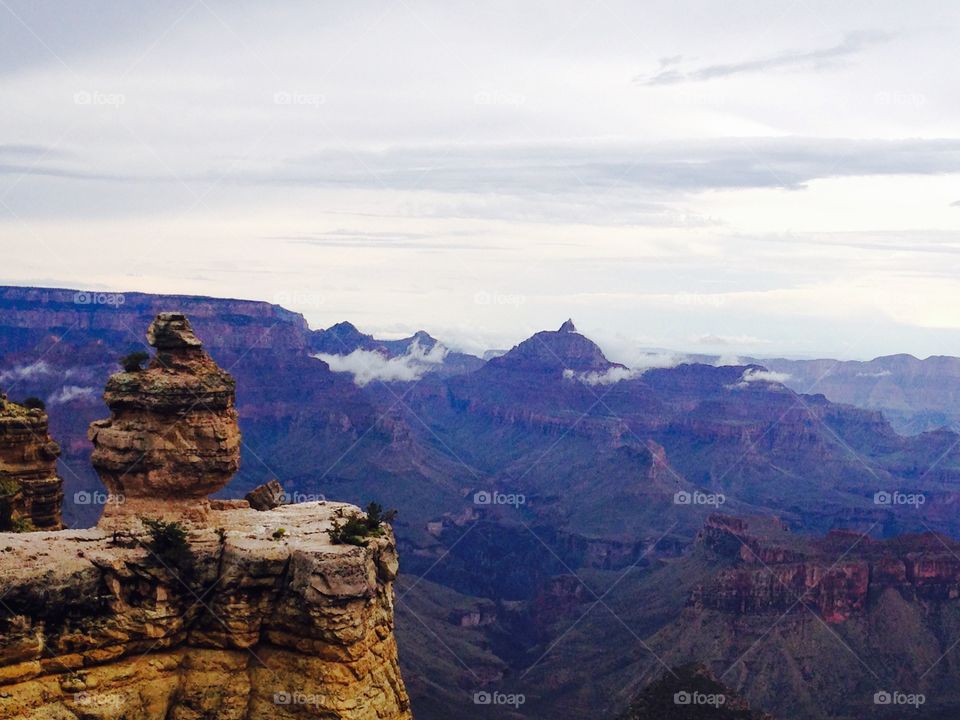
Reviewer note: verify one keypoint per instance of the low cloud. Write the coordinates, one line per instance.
(852, 44)
(755, 375)
(608, 377)
(613, 375)
(880, 374)
(26, 372)
(368, 366)
(70, 393)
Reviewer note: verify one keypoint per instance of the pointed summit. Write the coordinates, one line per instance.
(554, 352)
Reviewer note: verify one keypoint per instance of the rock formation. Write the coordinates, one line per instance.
(172, 438)
(267, 496)
(30, 490)
(772, 570)
(253, 627)
(233, 615)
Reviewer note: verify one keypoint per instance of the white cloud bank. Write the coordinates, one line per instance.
(26, 372)
(770, 377)
(70, 393)
(368, 366)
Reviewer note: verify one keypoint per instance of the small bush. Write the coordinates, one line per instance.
(168, 543)
(22, 525)
(279, 533)
(376, 516)
(355, 529)
(34, 403)
(8, 486)
(134, 361)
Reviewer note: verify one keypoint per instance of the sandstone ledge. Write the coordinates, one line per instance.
(93, 626)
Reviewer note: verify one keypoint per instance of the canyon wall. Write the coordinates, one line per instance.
(837, 575)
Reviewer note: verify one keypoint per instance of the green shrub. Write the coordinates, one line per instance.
(22, 525)
(356, 528)
(168, 544)
(8, 486)
(376, 515)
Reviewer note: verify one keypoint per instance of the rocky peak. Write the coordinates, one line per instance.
(424, 339)
(564, 349)
(172, 438)
(340, 339)
(31, 492)
(172, 331)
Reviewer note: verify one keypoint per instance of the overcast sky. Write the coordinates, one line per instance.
(759, 178)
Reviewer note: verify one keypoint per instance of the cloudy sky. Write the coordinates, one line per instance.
(762, 178)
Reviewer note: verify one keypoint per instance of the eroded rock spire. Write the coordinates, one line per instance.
(31, 492)
(172, 437)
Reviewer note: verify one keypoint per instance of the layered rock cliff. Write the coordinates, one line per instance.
(172, 438)
(838, 575)
(177, 607)
(31, 492)
(255, 627)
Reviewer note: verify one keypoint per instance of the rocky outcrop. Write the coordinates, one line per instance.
(250, 627)
(31, 492)
(177, 607)
(838, 575)
(172, 438)
(267, 496)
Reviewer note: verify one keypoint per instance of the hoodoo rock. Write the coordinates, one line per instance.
(172, 438)
(31, 492)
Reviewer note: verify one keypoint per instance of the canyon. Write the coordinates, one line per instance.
(529, 486)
